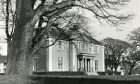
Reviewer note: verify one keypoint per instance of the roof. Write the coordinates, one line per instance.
(3, 59)
(88, 38)
(67, 35)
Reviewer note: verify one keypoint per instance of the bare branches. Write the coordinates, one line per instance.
(102, 10)
(114, 49)
(98, 7)
(7, 18)
(8, 15)
(134, 36)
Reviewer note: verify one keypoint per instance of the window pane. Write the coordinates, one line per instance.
(60, 63)
(96, 65)
(95, 49)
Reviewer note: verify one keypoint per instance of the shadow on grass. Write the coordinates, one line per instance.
(79, 80)
(43, 79)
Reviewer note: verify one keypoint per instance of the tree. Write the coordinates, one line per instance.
(132, 60)
(134, 35)
(134, 55)
(114, 48)
(8, 17)
(29, 13)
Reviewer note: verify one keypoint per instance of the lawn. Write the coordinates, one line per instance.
(102, 79)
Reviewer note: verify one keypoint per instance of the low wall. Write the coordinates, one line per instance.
(67, 73)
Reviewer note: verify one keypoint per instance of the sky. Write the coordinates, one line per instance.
(102, 31)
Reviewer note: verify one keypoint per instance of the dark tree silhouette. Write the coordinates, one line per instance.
(114, 48)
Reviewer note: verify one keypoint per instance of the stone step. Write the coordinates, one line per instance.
(91, 73)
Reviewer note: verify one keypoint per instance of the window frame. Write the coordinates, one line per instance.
(96, 65)
(95, 49)
(35, 64)
(60, 63)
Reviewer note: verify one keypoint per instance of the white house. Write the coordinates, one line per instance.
(82, 54)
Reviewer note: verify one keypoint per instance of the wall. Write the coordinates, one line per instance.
(64, 53)
(100, 57)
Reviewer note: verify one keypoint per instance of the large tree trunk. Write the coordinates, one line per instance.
(19, 52)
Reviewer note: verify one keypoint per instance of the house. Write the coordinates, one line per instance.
(84, 53)
(3, 61)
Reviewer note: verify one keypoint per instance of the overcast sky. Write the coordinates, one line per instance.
(103, 31)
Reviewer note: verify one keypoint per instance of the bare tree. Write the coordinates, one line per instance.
(134, 35)
(132, 60)
(8, 16)
(134, 57)
(31, 12)
(114, 48)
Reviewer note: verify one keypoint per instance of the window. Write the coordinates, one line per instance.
(79, 45)
(86, 46)
(35, 64)
(89, 48)
(60, 63)
(95, 49)
(83, 46)
(96, 65)
(60, 47)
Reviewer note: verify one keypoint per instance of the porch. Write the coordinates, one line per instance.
(86, 62)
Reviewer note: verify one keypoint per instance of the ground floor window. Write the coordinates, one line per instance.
(35, 64)
(96, 65)
(60, 63)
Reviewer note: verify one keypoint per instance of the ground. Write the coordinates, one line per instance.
(103, 79)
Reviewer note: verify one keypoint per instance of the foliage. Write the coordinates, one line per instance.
(131, 60)
(134, 55)
(114, 48)
(134, 35)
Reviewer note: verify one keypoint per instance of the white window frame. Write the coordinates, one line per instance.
(95, 47)
(60, 63)
(86, 46)
(90, 48)
(79, 45)
(35, 64)
(96, 65)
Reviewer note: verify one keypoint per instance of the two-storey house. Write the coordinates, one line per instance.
(82, 54)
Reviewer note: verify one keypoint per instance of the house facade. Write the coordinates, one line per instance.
(83, 54)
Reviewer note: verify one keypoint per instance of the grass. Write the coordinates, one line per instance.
(102, 79)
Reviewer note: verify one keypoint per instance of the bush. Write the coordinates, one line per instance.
(64, 73)
(101, 73)
(109, 73)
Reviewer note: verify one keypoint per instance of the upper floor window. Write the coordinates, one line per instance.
(95, 49)
(59, 45)
(79, 46)
(86, 46)
(89, 48)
